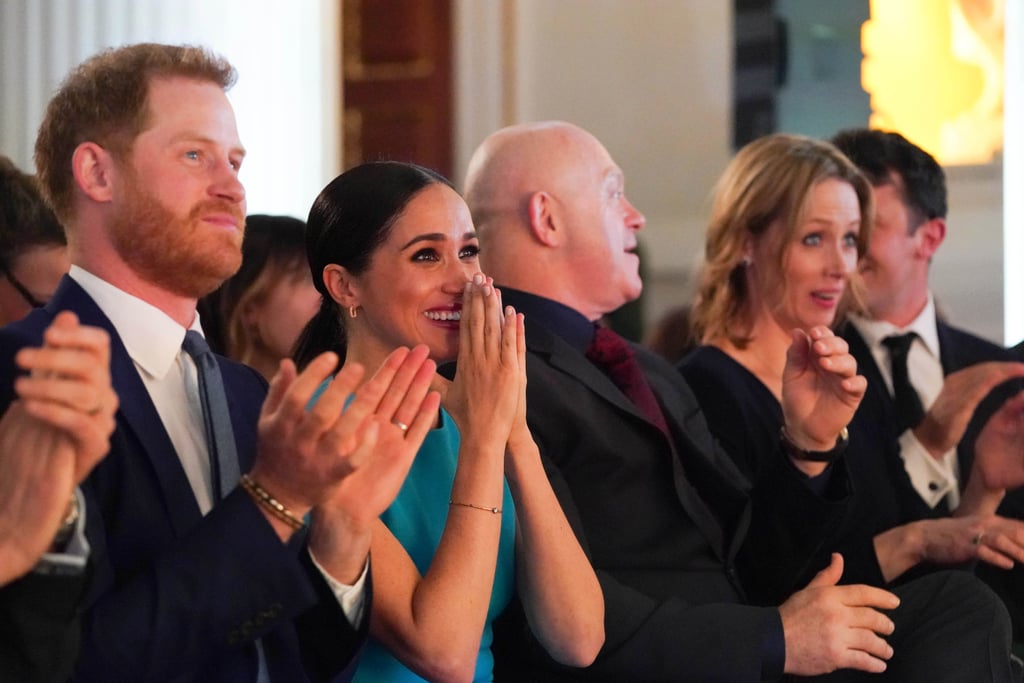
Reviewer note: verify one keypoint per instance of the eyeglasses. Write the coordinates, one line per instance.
(29, 298)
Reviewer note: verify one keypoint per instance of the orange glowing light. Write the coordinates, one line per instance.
(934, 71)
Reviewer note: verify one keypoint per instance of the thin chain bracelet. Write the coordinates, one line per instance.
(493, 511)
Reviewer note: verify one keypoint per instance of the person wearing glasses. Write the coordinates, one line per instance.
(33, 248)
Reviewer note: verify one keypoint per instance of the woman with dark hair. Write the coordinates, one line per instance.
(789, 220)
(256, 316)
(393, 251)
(33, 248)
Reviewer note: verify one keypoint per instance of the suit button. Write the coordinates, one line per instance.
(245, 629)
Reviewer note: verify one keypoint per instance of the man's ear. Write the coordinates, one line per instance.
(544, 221)
(341, 286)
(930, 235)
(94, 170)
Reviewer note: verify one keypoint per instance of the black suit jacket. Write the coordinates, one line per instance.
(877, 412)
(179, 596)
(39, 626)
(683, 545)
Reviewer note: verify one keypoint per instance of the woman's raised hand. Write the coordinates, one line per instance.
(484, 396)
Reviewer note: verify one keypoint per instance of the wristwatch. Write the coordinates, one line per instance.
(797, 453)
(67, 527)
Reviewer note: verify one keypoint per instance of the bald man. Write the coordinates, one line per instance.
(684, 546)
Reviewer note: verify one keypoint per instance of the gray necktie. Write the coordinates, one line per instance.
(220, 438)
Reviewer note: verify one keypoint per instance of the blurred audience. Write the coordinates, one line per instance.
(256, 316)
(33, 248)
(671, 337)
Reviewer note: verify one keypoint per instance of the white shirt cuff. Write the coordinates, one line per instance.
(351, 598)
(73, 559)
(932, 478)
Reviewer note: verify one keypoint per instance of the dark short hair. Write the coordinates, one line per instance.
(349, 220)
(25, 219)
(889, 158)
(103, 100)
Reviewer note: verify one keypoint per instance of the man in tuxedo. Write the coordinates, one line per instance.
(929, 401)
(50, 439)
(927, 391)
(691, 556)
(198, 578)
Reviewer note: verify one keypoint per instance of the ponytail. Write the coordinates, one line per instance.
(324, 332)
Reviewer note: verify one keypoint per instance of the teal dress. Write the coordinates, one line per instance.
(417, 518)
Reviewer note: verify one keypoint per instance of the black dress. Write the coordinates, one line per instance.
(745, 417)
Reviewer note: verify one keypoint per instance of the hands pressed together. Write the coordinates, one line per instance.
(52, 437)
(488, 395)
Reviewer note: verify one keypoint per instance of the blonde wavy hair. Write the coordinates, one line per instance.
(767, 181)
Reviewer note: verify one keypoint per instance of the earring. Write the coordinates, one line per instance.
(353, 311)
(746, 261)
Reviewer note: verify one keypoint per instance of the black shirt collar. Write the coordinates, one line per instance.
(557, 318)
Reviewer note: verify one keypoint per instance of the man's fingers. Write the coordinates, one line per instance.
(295, 403)
(830, 575)
(860, 595)
(863, 660)
(279, 384)
(870, 620)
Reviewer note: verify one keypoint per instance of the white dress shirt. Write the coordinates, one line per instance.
(153, 341)
(933, 478)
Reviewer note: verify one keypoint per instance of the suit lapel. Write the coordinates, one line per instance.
(562, 357)
(136, 411)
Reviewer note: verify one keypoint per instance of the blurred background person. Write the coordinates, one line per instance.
(671, 337)
(33, 248)
(256, 316)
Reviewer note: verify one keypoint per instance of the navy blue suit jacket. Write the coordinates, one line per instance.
(177, 596)
(40, 625)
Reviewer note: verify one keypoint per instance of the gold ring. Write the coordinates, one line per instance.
(401, 425)
(977, 538)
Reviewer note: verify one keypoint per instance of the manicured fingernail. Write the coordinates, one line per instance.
(478, 279)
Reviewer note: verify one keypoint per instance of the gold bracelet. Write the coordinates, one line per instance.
(493, 511)
(268, 502)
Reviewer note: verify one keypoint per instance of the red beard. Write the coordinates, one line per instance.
(184, 256)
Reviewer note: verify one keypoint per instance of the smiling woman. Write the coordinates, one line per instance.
(393, 251)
